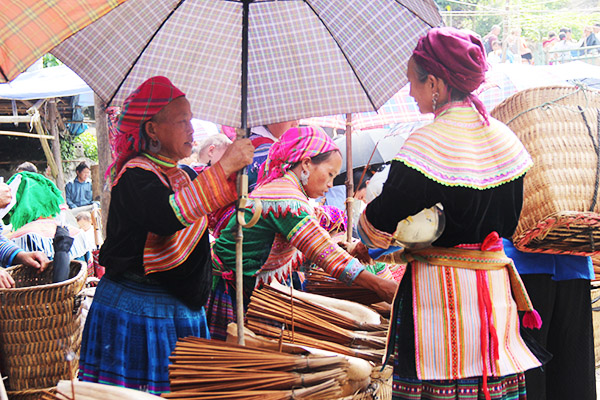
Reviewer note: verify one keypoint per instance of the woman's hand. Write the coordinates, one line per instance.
(35, 259)
(358, 250)
(385, 288)
(6, 281)
(238, 154)
(5, 195)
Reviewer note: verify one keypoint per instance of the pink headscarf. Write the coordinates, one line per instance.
(456, 57)
(141, 105)
(293, 146)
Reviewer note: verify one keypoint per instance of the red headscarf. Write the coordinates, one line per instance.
(141, 105)
(456, 57)
(294, 145)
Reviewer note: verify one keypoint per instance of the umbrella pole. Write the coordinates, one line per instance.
(349, 177)
(242, 185)
(242, 180)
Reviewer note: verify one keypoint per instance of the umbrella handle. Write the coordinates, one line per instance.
(242, 199)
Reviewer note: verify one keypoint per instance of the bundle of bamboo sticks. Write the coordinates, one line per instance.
(286, 336)
(320, 282)
(313, 325)
(205, 369)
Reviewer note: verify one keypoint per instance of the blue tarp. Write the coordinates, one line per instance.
(47, 83)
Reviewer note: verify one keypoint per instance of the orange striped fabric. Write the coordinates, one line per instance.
(191, 202)
(31, 28)
(448, 325)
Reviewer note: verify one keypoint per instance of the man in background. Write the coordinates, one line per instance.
(79, 192)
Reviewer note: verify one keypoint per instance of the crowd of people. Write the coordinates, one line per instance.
(559, 47)
(456, 311)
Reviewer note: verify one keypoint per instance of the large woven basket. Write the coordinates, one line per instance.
(40, 327)
(559, 128)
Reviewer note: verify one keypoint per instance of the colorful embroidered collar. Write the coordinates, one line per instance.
(160, 160)
(459, 149)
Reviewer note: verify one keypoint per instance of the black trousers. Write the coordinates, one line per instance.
(567, 332)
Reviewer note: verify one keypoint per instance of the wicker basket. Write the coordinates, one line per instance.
(559, 128)
(40, 327)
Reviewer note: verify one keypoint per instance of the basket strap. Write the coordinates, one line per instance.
(596, 145)
(596, 149)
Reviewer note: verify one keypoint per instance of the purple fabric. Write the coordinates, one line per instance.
(456, 57)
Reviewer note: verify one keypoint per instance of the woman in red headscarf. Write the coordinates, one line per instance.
(300, 166)
(455, 328)
(156, 253)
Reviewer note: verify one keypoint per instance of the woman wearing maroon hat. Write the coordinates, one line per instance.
(156, 253)
(455, 328)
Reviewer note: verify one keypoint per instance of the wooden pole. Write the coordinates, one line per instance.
(6, 119)
(349, 177)
(36, 122)
(53, 116)
(24, 134)
(104, 156)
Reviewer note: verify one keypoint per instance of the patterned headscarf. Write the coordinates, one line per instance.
(293, 146)
(456, 57)
(141, 105)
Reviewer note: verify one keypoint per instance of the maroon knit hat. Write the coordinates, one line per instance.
(456, 57)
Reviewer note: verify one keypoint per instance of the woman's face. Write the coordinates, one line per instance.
(173, 128)
(83, 175)
(420, 91)
(321, 175)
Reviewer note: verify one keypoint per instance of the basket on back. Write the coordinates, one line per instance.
(559, 128)
(40, 327)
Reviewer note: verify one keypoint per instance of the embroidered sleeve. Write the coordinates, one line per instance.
(372, 237)
(8, 251)
(209, 191)
(315, 243)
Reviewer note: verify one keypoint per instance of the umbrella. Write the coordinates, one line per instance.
(30, 28)
(203, 129)
(304, 57)
(502, 81)
(371, 147)
(62, 244)
(248, 63)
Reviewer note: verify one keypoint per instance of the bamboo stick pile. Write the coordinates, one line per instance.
(279, 316)
(320, 282)
(209, 370)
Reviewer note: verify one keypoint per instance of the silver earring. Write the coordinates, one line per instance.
(304, 177)
(154, 146)
(434, 100)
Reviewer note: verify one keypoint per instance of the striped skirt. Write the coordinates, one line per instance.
(130, 332)
(407, 386)
(511, 387)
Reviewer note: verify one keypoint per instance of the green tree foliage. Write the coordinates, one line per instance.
(87, 138)
(535, 17)
(90, 145)
(50, 61)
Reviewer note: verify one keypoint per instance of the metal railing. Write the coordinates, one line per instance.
(589, 54)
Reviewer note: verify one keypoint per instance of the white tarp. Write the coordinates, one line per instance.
(46, 83)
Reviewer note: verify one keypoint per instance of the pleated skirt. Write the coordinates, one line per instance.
(130, 332)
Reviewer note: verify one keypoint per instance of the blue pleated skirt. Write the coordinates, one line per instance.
(130, 332)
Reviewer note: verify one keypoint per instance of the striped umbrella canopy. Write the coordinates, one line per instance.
(30, 28)
(252, 62)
